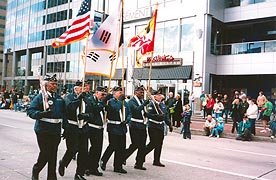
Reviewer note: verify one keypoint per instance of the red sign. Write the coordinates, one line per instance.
(165, 60)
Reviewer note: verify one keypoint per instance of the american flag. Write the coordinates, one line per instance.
(79, 28)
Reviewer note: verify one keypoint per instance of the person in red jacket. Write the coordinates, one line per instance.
(210, 104)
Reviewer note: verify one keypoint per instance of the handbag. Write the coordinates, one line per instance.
(172, 110)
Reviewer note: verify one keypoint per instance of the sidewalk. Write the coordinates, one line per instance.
(197, 129)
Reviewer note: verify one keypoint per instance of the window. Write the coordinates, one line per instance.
(187, 34)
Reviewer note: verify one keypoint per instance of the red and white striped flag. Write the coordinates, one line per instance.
(80, 27)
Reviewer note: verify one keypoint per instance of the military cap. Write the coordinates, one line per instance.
(117, 88)
(102, 89)
(78, 83)
(156, 92)
(50, 78)
(139, 88)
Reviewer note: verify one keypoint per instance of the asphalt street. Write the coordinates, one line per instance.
(200, 158)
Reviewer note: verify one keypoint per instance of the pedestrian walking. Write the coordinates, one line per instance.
(47, 126)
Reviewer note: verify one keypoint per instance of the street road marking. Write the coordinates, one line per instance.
(248, 152)
(8, 126)
(215, 170)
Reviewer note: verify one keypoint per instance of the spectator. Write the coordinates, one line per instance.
(209, 124)
(244, 133)
(178, 110)
(242, 95)
(218, 108)
(272, 125)
(203, 100)
(227, 105)
(260, 102)
(169, 103)
(252, 113)
(236, 116)
(210, 104)
(186, 122)
(267, 111)
(243, 106)
(191, 101)
(218, 129)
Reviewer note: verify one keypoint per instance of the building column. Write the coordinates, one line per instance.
(13, 68)
(27, 73)
(4, 69)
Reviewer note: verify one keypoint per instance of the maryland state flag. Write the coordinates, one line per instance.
(144, 41)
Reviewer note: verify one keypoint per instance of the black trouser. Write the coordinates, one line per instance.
(156, 142)
(76, 142)
(95, 151)
(48, 146)
(138, 141)
(187, 131)
(117, 144)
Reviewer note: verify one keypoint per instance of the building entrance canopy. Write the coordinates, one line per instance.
(164, 73)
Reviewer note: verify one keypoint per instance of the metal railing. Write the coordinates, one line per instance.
(244, 48)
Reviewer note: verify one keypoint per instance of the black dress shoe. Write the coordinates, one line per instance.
(87, 172)
(158, 164)
(120, 171)
(79, 177)
(103, 165)
(141, 167)
(35, 175)
(96, 172)
(61, 169)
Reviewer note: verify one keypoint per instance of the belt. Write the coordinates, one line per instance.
(55, 121)
(73, 122)
(113, 122)
(95, 126)
(156, 122)
(137, 120)
(76, 123)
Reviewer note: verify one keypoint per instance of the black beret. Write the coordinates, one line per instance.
(102, 89)
(50, 78)
(78, 83)
(156, 92)
(117, 88)
(139, 88)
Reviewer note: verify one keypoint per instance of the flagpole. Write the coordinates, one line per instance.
(153, 37)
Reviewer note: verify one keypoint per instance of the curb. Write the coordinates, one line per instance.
(200, 132)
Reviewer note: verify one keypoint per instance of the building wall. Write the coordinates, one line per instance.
(250, 11)
(2, 31)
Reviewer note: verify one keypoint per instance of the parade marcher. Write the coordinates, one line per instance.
(137, 127)
(76, 130)
(158, 115)
(118, 115)
(96, 127)
(47, 126)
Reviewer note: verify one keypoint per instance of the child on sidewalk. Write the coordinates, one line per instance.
(218, 129)
(186, 120)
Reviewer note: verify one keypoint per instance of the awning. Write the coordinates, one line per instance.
(164, 73)
(117, 75)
